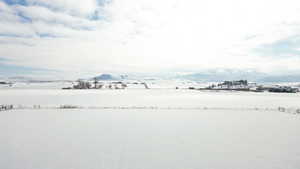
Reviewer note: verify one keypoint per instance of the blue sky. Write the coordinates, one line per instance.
(95, 36)
(12, 2)
(283, 48)
(12, 70)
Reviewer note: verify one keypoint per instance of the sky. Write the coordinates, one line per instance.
(72, 38)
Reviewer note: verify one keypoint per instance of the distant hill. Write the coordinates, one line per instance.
(105, 77)
(110, 77)
(281, 78)
(23, 79)
(214, 76)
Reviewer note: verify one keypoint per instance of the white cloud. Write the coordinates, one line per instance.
(38, 13)
(74, 7)
(150, 34)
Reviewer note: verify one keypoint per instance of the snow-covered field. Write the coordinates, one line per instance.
(231, 130)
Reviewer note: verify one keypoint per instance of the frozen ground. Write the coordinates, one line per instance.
(149, 139)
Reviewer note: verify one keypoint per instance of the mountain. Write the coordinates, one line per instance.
(281, 78)
(213, 76)
(254, 76)
(110, 77)
(23, 79)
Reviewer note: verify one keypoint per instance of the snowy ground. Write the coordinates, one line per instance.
(149, 139)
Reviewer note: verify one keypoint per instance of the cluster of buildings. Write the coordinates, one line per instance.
(283, 89)
(95, 84)
(240, 85)
(6, 83)
(6, 107)
(244, 85)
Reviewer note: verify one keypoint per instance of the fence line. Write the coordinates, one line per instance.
(6, 107)
(291, 110)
